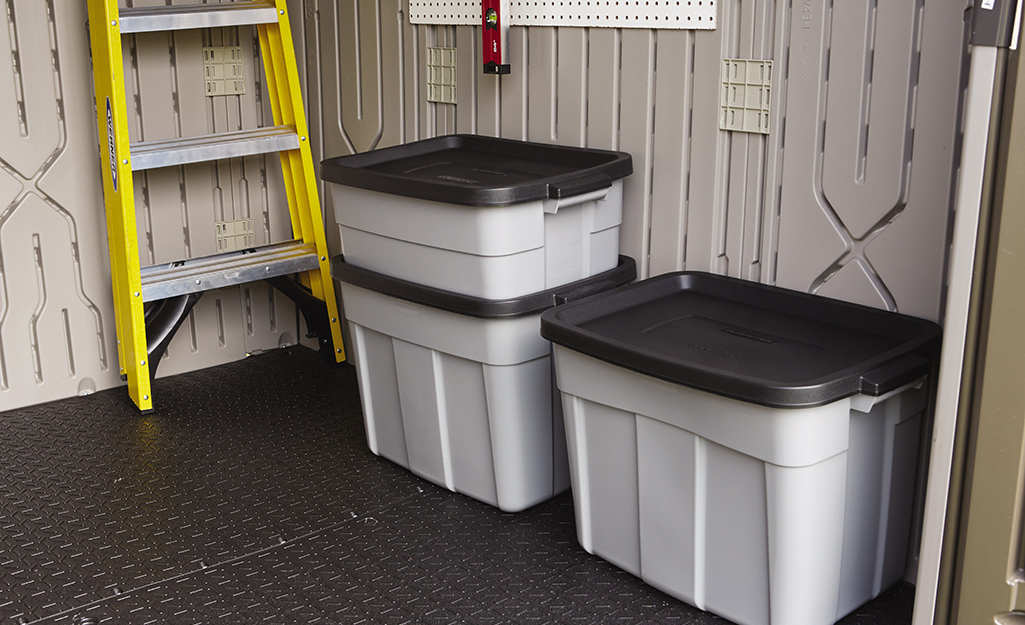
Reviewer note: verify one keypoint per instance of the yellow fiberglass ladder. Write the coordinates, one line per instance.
(150, 303)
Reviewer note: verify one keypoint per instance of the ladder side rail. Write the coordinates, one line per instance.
(96, 16)
(287, 104)
(286, 91)
(119, 200)
(272, 74)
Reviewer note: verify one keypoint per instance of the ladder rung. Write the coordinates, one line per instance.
(227, 269)
(204, 148)
(182, 16)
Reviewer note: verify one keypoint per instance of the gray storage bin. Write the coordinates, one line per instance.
(747, 449)
(480, 216)
(459, 389)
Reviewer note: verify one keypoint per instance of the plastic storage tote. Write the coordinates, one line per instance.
(749, 450)
(492, 218)
(459, 389)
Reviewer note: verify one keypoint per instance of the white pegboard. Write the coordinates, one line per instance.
(677, 14)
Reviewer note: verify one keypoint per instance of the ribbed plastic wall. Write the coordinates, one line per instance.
(849, 195)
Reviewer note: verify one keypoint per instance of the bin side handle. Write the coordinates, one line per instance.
(552, 206)
(573, 294)
(577, 191)
(894, 373)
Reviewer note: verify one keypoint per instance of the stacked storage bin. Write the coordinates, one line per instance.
(452, 248)
(747, 449)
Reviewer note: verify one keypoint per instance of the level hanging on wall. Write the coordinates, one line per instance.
(674, 14)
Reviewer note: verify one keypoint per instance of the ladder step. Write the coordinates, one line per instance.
(204, 148)
(183, 16)
(227, 269)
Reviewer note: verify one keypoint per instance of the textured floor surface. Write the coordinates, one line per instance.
(249, 496)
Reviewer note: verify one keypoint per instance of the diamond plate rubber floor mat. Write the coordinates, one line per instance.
(250, 496)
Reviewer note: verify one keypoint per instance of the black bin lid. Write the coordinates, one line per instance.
(475, 170)
(747, 341)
